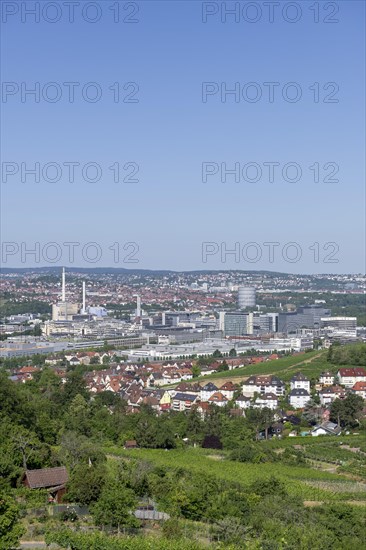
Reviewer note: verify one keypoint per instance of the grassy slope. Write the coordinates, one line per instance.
(310, 484)
(311, 364)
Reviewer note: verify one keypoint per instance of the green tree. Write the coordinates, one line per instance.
(86, 483)
(26, 443)
(37, 331)
(78, 415)
(196, 371)
(77, 449)
(146, 432)
(213, 422)
(194, 427)
(75, 384)
(223, 366)
(114, 505)
(260, 419)
(345, 411)
(10, 529)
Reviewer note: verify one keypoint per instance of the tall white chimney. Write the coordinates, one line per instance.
(84, 310)
(63, 285)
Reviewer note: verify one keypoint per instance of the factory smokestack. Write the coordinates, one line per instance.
(63, 299)
(84, 310)
(138, 305)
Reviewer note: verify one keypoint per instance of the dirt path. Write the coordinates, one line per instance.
(352, 449)
(36, 545)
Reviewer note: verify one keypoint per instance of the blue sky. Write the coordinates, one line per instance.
(170, 132)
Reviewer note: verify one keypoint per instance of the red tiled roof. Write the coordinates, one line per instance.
(359, 386)
(357, 371)
(217, 397)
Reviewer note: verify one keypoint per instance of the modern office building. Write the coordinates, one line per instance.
(342, 323)
(235, 323)
(303, 317)
(262, 324)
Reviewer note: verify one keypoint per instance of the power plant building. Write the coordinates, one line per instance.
(246, 297)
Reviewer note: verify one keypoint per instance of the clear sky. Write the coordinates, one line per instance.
(172, 128)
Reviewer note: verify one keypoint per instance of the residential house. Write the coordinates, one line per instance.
(299, 397)
(208, 390)
(263, 384)
(165, 400)
(269, 400)
(157, 379)
(183, 401)
(171, 377)
(152, 402)
(183, 387)
(360, 389)
(349, 376)
(202, 408)
(242, 402)
(300, 381)
(326, 428)
(328, 394)
(228, 389)
(26, 373)
(326, 378)
(218, 399)
(52, 360)
(185, 373)
(134, 398)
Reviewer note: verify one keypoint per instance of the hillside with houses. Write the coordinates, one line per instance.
(91, 442)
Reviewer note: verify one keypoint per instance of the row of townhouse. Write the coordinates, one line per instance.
(347, 377)
(349, 380)
(185, 395)
(210, 394)
(263, 384)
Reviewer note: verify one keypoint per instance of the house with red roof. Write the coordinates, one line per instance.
(349, 376)
(360, 389)
(228, 389)
(218, 399)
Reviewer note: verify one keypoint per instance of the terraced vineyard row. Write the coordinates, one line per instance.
(302, 481)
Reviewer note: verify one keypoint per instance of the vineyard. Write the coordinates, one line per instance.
(311, 364)
(303, 481)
